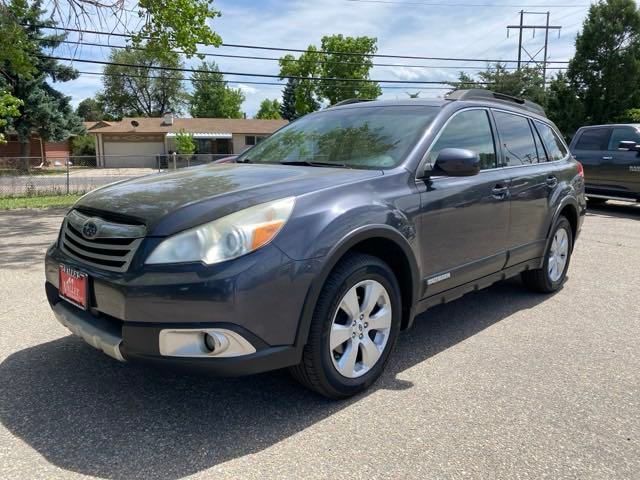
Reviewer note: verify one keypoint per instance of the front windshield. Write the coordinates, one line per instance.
(362, 137)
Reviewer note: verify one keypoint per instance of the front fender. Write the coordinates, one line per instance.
(326, 264)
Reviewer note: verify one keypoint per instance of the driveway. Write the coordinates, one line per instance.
(502, 383)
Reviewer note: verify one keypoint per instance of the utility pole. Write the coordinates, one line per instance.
(520, 38)
(521, 48)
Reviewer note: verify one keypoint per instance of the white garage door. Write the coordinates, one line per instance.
(132, 154)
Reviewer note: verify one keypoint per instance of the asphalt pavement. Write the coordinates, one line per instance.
(502, 383)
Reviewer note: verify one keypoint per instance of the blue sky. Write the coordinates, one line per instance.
(414, 28)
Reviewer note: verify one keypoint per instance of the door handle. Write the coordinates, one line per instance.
(607, 158)
(552, 181)
(499, 192)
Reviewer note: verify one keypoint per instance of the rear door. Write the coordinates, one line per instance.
(590, 147)
(532, 183)
(621, 174)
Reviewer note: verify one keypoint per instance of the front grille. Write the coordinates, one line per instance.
(106, 245)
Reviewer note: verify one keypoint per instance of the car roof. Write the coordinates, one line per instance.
(635, 125)
(439, 103)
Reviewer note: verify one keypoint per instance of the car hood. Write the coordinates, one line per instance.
(170, 202)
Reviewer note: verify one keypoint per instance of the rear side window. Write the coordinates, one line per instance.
(623, 134)
(518, 146)
(542, 156)
(554, 145)
(593, 139)
(470, 130)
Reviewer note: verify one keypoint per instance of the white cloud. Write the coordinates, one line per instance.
(247, 89)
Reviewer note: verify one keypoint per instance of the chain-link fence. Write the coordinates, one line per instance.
(28, 177)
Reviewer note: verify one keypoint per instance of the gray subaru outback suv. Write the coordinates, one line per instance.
(316, 247)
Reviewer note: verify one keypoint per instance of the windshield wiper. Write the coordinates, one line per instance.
(313, 164)
(244, 160)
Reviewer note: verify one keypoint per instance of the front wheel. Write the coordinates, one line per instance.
(354, 328)
(551, 276)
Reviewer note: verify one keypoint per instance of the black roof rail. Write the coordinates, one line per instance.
(350, 101)
(483, 94)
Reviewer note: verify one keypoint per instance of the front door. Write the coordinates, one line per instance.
(464, 220)
(591, 149)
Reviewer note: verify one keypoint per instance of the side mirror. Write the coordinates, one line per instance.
(458, 162)
(628, 146)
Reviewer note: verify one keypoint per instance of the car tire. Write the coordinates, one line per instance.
(557, 257)
(366, 285)
(596, 200)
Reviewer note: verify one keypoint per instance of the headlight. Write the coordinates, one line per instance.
(226, 238)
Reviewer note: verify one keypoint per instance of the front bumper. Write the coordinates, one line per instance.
(259, 297)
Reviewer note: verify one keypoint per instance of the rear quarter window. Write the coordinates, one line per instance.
(555, 147)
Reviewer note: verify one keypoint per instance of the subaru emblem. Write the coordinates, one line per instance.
(89, 229)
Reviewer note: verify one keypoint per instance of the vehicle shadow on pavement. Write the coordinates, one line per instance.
(617, 210)
(89, 414)
(25, 235)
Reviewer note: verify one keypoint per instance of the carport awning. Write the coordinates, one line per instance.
(203, 135)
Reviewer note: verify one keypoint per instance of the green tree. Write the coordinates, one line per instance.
(142, 90)
(269, 110)
(184, 143)
(525, 83)
(330, 61)
(90, 110)
(606, 66)
(630, 116)
(9, 108)
(212, 97)
(45, 111)
(83, 146)
(159, 25)
(288, 106)
(563, 106)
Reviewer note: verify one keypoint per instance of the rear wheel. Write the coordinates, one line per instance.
(353, 330)
(551, 276)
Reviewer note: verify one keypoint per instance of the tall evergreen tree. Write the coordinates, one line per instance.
(44, 110)
(288, 106)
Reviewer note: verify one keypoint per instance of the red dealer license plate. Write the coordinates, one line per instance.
(74, 286)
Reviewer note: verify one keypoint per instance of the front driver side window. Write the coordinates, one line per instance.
(623, 134)
(469, 130)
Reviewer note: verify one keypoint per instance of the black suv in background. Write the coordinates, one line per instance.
(320, 244)
(610, 155)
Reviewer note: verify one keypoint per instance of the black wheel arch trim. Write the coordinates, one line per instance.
(566, 201)
(333, 257)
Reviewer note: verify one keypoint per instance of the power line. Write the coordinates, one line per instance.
(235, 81)
(253, 57)
(298, 50)
(463, 5)
(247, 74)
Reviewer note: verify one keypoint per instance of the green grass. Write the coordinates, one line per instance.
(10, 203)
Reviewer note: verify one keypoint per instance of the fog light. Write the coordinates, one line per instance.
(203, 342)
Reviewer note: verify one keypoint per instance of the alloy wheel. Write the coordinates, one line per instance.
(360, 328)
(558, 254)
